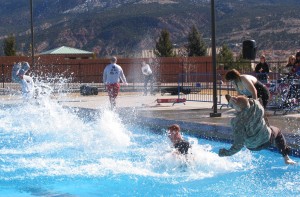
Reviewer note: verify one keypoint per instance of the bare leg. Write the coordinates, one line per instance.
(112, 103)
(281, 145)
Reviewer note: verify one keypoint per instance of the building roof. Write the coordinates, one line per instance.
(65, 50)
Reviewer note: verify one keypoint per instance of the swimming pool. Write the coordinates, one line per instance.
(46, 150)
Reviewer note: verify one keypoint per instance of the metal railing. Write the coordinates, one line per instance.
(199, 87)
(193, 86)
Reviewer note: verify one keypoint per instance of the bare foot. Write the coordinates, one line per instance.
(288, 160)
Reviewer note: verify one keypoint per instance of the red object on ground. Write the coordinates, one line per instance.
(171, 100)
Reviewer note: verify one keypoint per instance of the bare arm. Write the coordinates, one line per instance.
(249, 85)
(123, 78)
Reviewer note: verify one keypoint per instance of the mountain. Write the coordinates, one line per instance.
(125, 27)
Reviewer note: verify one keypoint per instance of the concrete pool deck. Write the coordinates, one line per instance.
(192, 116)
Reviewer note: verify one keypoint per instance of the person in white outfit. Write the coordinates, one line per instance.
(18, 76)
(111, 78)
(148, 77)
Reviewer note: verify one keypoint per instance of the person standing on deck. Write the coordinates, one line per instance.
(148, 77)
(111, 78)
(262, 70)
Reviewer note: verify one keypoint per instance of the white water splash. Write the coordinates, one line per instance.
(46, 139)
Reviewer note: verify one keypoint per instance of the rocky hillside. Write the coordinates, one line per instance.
(127, 26)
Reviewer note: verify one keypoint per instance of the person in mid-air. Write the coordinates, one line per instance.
(251, 130)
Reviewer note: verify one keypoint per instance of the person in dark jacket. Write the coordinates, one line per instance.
(297, 64)
(262, 70)
(291, 65)
(297, 58)
(251, 130)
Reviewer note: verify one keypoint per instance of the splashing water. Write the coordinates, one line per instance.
(46, 148)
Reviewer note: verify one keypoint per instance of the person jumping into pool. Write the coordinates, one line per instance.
(111, 78)
(251, 129)
(181, 145)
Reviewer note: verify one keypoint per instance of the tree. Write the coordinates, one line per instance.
(9, 46)
(242, 65)
(196, 45)
(225, 57)
(164, 47)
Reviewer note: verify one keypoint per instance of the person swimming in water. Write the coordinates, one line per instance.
(181, 145)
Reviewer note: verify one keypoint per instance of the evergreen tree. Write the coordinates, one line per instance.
(196, 45)
(164, 47)
(9, 46)
(225, 57)
(242, 65)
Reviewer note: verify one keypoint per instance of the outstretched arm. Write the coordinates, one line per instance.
(237, 145)
(233, 150)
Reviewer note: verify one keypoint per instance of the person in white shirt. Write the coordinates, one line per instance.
(111, 78)
(18, 76)
(148, 77)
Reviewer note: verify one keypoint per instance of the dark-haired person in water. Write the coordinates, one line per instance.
(181, 145)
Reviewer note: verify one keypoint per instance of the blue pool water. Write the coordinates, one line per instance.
(46, 150)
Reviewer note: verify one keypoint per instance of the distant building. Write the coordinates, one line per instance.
(69, 53)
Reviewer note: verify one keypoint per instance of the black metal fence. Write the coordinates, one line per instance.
(199, 85)
(284, 90)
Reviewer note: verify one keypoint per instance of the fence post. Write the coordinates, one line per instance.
(220, 88)
(79, 72)
(3, 79)
(178, 86)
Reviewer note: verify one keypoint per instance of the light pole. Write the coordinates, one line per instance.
(32, 33)
(214, 61)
